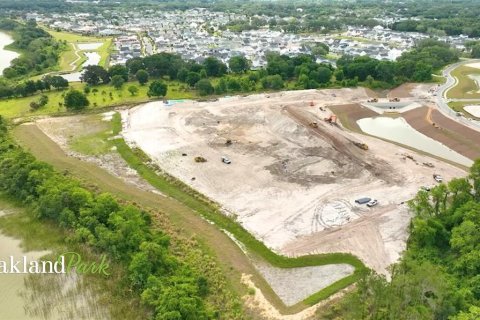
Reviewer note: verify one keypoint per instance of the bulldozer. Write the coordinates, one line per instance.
(313, 124)
(332, 119)
(361, 145)
(373, 100)
(395, 99)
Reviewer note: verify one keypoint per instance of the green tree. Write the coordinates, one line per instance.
(141, 76)
(472, 314)
(157, 89)
(385, 71)
(274, 82)
(117, 81)
(221, 87)
(475, 51)
(214, 67)
(192, 78)
(93, 75)
(76, 100)
(133, 90)
(239, 64)
(204, 87)
(118, 70)
(324, 75)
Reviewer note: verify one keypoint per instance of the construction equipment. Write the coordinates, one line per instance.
(428, 164)
(395, 99)
(332, 119)
(200, 159)
(373, 100)
(313, 124)
(312, 104)
(361, 145)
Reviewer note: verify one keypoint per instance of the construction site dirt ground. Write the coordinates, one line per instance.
(290, 184)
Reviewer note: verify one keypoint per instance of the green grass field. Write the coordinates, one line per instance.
(459, 107)
(466, 87)
(69, 56)
(107, 96)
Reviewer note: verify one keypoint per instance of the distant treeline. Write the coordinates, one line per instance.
(299, 72)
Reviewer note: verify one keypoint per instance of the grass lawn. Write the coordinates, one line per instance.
(73, 37)
(466, 87)
(105, 97)
(69, 56)
(459, 107)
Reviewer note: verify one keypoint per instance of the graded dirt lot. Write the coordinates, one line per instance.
(460, 138)
(290, 184)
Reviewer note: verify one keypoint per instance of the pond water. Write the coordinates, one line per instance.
(93, 58)
(12, 304)
(398, 130)
(6, 56)
(42, 296)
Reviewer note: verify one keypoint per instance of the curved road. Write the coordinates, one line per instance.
(442, 100)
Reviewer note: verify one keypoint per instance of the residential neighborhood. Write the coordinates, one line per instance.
(198, 33)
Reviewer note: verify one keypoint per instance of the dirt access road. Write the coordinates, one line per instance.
(289, 184)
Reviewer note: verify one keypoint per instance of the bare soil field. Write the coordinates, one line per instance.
(291, 184)
(64, 131)
(462, 139)
(412, 90)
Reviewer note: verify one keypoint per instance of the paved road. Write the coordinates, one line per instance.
(442, 101)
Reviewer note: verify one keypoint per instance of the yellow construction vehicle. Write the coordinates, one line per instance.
(313, 124)
(361, 145)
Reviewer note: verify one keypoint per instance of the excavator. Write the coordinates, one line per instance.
(332, 119)
(372, 100)
(395, 99)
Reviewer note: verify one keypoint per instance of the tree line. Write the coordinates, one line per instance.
(29, 87)
(171, 288)
(212, 76)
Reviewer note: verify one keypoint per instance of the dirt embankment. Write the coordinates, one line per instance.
(462, 139)
(345, 154)
(350, 113)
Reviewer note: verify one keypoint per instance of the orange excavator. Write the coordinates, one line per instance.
(332, 119)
